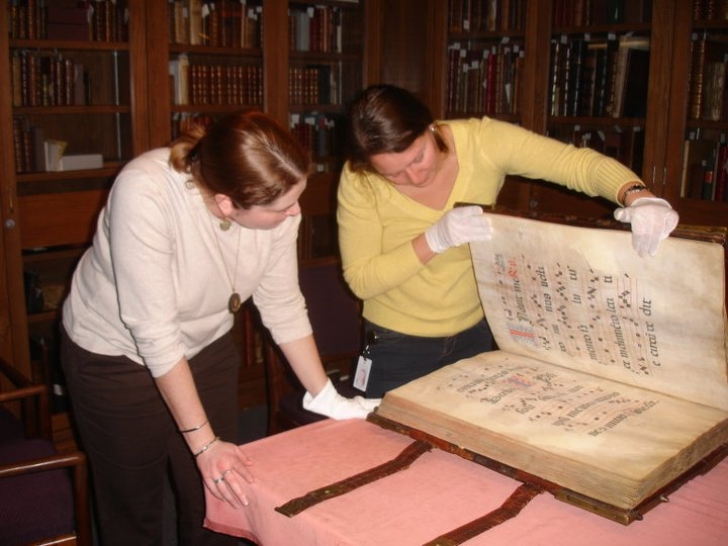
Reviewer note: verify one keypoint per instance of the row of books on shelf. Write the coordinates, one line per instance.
(34, 152)
(709, 58)
(625, 144)
(47, 79)
(486, 15)
(599, 77)
(705, 160)
(319, 133)
(577, 13)
(219, 23)
(99, 20)
(324, 29)
(710, 10)
(484, 80)
(28, 145)
(314, 84)
(199, 84)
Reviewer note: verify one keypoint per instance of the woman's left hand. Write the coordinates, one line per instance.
(652, 220)
(225, 471)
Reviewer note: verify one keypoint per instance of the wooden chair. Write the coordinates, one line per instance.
(43, 494)
(335, 315)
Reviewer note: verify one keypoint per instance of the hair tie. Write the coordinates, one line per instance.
(194, 151)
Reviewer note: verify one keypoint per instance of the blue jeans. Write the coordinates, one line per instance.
(399, 358)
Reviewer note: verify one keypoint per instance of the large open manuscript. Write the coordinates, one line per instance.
(611, 376)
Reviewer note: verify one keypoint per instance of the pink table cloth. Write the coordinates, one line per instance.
(437, 494)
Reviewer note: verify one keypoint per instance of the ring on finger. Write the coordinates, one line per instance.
(218, 480)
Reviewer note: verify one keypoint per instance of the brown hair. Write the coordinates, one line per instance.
(386, 119)
(246, 156)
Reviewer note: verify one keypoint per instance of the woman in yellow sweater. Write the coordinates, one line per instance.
(403, 245)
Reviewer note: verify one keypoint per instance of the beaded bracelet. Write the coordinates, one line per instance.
(632, 189)
(193, 429)
(206, 446)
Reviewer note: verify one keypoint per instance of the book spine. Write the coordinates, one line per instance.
(588, 83)
(721, 175)
(695, 97)
(18, 145)
(708, 188)
(492, 82)
(713, 90)
(16, 79)
(554, 77)
(453, 54)
(455, 16)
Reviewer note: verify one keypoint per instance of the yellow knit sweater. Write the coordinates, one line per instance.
(377, 224)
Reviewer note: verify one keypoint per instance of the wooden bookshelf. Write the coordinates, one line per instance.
(104, 87)
(650, 135)
(701, 46)
(79, 80)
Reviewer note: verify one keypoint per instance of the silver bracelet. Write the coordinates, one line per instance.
(193, 429)
(634, 188)
(206, 446)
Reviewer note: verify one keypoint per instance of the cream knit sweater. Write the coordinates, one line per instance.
(155, 285)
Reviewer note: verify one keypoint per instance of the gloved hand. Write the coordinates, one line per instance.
(459, 226)
(652, 220)
(331, 404)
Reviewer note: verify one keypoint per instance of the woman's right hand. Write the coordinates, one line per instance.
(225, 471)
(330, 403)
(457, 227)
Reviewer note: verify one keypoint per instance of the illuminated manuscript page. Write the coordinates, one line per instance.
(603, 356)
(583, 299)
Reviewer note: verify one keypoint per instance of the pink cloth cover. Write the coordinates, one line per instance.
(438, 493)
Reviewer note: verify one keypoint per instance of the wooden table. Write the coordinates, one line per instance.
(436, 494)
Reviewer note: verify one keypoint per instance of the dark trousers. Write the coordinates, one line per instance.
(133, 444)
(400, 358)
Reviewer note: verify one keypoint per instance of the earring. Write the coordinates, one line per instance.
(225, 224)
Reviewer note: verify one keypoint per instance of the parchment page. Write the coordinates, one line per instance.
(602, 438)
(582, 298)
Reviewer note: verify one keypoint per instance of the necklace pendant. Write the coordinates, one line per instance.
(235, 303)
(225, 224)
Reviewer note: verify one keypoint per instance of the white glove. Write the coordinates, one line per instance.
(459, 226)
(331, 404)
(652, 220)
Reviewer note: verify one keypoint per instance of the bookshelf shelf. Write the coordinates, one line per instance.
(657, 126)
(81, 81)
(128, 108)
(110, 169)
(311, 56)
(603, 29)
(237, 52)
(698, 133)
(212, 109)
(595, 121)
(72, 110)
(315, 109)
(63, 45)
